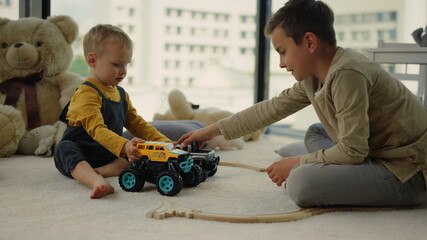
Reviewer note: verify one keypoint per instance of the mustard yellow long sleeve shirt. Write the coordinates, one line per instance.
(85, 110)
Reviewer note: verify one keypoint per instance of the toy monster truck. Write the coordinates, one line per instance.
(205, 158)
(162, 164)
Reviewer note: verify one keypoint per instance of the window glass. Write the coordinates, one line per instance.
(195, 46)
(358, 26)
(9, 9)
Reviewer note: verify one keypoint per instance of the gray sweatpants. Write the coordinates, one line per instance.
(366, 184)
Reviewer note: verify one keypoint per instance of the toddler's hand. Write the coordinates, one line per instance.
(130, 150)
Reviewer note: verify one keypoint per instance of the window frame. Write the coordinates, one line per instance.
(41, 9)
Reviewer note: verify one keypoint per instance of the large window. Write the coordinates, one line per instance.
(9, 9)
(204, 48)
(358, 25)
(207, 48)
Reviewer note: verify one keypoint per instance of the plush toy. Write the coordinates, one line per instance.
(181, 109)
(419, 37)
(35, 84)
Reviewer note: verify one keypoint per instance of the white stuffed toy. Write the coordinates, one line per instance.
(181, 109)
(35, 84)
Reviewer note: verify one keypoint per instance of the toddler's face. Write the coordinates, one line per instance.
(110, 67)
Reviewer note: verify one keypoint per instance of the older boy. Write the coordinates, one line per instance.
(376, 128)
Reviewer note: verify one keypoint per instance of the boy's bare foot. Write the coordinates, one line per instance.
(102, 189)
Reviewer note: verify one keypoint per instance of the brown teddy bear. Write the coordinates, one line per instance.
(35, 84)
(181, 109)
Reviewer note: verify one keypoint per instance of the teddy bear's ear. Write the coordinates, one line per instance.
(67, 25)
(3, 21)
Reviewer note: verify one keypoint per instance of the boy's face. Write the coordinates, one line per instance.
(295, 58)
(110, 66)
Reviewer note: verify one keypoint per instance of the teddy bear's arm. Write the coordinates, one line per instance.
(67, 83)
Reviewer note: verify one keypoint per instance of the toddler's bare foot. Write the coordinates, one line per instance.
(101, 189)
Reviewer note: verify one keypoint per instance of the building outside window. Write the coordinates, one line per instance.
(206, 47)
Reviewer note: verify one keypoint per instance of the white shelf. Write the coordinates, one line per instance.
(404, 54)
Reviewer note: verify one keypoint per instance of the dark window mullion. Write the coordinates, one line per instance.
(34, 8)
(262, 54)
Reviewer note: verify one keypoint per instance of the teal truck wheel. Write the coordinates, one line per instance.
(169, 183)
(130, 180)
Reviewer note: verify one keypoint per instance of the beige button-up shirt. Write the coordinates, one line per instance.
(364, 110)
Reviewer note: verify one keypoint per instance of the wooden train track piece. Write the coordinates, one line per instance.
(172, 209)
(242, 165)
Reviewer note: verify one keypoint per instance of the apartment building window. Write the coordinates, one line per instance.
(246, 19)
(354, 35)
(365, 35)
(392, 34)
(340, 36)
(386, 16)
(393, 16)
(341, 20)
(381, 34)
(5, 3)
(171, 12)
(356, 18)
(168, 12)
(219, 17)
(178, 12)
(367, 17)
(224, 50)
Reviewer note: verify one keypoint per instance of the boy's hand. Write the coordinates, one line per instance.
(130, 150)
(201, 135)
(279, 171)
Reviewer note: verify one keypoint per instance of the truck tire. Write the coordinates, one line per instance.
(130, 180)
(211, 173)
(169, 183)
(194, 177)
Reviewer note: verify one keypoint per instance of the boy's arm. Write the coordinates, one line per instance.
(350, 96)
(264, 113)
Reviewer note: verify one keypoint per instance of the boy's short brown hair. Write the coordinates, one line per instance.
(298, 17)
(98, 35)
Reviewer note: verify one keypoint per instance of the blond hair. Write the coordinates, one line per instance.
(95, 39)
